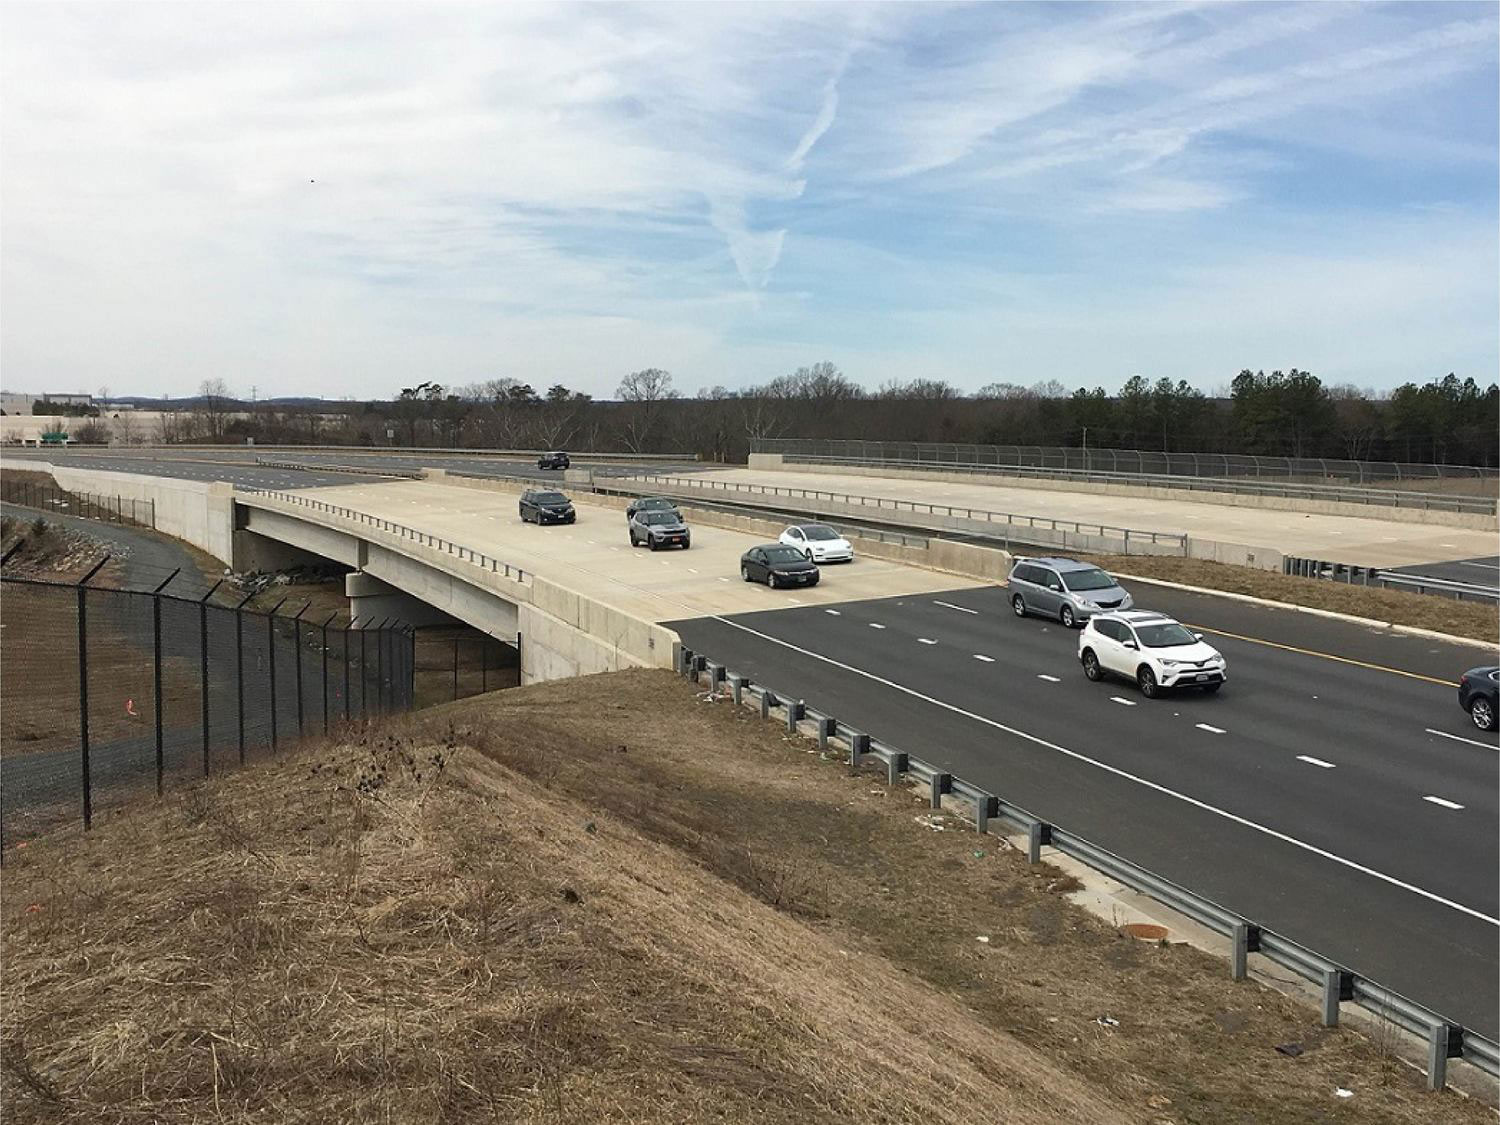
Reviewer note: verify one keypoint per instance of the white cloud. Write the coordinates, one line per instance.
(342, 196)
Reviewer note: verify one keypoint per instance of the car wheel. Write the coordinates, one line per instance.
(1146, 680)
(1065, 615)
(1091, 667)
(1209, 689)
(653, 544)
(1018, 606)
(745, 573)
(1482, 711)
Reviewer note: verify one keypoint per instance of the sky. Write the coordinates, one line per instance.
(347, 198)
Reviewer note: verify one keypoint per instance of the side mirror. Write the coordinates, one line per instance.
(1198, 635)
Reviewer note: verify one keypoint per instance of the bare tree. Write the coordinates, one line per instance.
(213, 407)
(643, 394)
(124, 428)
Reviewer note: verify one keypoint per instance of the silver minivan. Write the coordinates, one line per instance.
(1066, 589)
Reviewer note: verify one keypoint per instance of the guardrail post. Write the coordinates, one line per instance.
(858, 744)
(715, 676)
(827, 728)
(895, 766)
(767, 701)
(1438, 1050)
(684, 659)
(939, 784)
(795, 709)
(1245, 939)
(984, 808)
(1037, 834)
(700, 662)
(737, 685)
(1338, 986)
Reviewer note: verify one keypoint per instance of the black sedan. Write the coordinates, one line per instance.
(1477, 689)
(658, 530)
(540, 505)
(554, 460)
(776, 564)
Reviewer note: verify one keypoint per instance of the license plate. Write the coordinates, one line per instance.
(1202, 678)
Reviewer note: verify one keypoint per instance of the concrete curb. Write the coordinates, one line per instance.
(1409, 630)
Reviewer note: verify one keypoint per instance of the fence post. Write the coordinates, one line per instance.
(364, 678)
(345, 650)
(83, 693)
(380, 665)
(239, 674)
(297, 639)
(203, 666)
(455, 667)
(271, 664)
(156, 692)
(331, 616)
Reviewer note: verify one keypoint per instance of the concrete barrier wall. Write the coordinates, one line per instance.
(1235, 554)
(198, 512)
(1472, 520)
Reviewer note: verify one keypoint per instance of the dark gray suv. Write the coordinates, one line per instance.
(1066, 589)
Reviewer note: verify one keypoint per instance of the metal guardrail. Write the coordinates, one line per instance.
(356, 470)
(1134, 461)
(1445, 1039)
(390, 527)
(1370, 497)
(1393, 579)
(679, 486)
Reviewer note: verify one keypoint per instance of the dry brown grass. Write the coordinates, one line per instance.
(1475, 620)
(612, 899)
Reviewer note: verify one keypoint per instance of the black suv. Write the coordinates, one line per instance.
(649, 504)
(542, 505)
(554, 460)
(658, 530)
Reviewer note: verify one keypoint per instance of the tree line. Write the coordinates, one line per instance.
(1290, 413)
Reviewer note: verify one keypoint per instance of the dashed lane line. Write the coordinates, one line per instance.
(1122, 701)
(986, 659)
(961, 609)
(1447, 804)
(1210, 729)
(1049, 679)
(1319, 762)
(926, 641)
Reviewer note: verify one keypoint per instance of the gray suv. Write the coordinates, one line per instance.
(1066, 589)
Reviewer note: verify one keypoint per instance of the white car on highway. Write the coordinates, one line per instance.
(818, 543)
(1151, 649)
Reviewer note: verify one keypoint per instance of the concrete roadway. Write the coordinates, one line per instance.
(1342, 801)
(1345, 539)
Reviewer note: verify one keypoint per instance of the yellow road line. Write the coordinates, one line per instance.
(1328, 656)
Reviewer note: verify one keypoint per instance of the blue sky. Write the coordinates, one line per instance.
(350, 198)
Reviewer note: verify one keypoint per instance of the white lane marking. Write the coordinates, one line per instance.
(1440, 801)
(926, 641)
(1049, 679)
(986, 659)
(1211, 730)
(1122, 701)
(794, 601)
(950, 605)
(876, 625)
(1154, 786)
(1315, 761)
(692, 570)
(723, 580)
(1487, 566)
(1460, 738)
(1453, 545)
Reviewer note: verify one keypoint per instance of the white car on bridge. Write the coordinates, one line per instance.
(818, 543)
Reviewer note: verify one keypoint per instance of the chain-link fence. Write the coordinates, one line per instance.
(88, 505)
(107, 693)
(1135, 461)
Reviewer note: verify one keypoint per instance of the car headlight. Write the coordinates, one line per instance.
(1169, 663)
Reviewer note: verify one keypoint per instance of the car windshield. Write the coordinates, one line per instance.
(1094, 579)
(550, 498)
(655, 519)
(819, 531)
(653, 505)
(1169, 635)
(783, 555)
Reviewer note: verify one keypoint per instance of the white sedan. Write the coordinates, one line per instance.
(818, 543)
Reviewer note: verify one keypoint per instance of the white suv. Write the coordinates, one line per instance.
(1151, 649)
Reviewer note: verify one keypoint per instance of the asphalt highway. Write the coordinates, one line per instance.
(1333, 790)
(1483, 571)
(239, 466)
